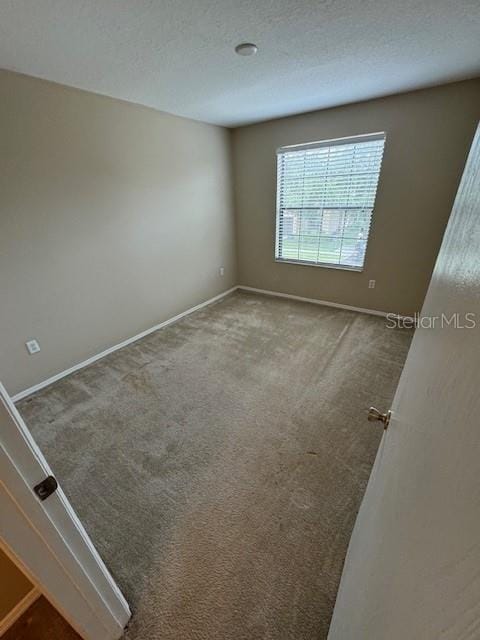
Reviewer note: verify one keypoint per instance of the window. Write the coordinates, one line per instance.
(325, 197)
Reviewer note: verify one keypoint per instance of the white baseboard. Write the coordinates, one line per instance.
(120, 345)
(18, 610)
(325, 303)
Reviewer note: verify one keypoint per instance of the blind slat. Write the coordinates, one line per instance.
(325, 199)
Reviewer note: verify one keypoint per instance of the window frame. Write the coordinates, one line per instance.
(365, 137)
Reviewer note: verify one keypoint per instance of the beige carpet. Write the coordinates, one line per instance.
(219, 463)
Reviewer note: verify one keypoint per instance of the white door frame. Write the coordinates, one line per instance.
(47, 540)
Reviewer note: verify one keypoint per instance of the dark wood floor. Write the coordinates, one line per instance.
(41, 622)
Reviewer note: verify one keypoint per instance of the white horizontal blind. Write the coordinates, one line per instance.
(325, 197)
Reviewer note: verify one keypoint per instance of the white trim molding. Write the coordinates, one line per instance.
(116, 347)
(47, 540)
(18, 610)
(326, 303)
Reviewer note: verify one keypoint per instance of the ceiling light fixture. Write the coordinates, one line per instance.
(246, 49)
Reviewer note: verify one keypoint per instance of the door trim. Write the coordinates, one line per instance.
(48, 540)
(18, 610)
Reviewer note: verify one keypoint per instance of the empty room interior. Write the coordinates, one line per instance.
(239, 320)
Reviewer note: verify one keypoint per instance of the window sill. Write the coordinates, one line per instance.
(323, 265)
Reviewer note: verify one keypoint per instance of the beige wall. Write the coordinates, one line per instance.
(113, 218)
(13, 585)
(428, 136)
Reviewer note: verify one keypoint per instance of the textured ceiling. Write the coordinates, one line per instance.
(177, 55)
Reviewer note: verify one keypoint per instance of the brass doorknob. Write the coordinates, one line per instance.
(374, 415)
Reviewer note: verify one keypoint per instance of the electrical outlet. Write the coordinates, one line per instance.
(371, 284)
(32, 346)
(222, 271)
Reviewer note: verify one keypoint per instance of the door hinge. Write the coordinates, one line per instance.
(46, 487)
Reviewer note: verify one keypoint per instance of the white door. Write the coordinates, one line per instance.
(413, 567)
(48, 541)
